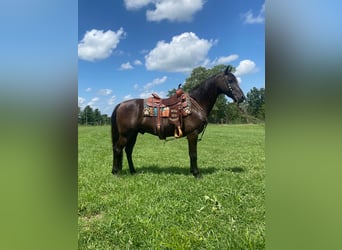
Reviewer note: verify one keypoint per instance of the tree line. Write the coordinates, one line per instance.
(250, 111)
(88, 116)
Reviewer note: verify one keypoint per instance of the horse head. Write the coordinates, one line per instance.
(230, 86)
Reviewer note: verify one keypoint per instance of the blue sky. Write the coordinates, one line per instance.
(131, 48)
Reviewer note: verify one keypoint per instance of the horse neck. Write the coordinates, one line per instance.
(206, 95)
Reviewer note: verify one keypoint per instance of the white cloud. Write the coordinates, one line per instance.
(105, 92)
(88, 90)
(147, 94)
(182, 54)
(180, 10)
(136, 4)
(239, 79)
(126, 66)
(144, 51)
(127, 97)
(245, 67)
(155, 82)
(97, 44)
(251, 19)
(226, 59)
(111, 100)
(93, 102)
(136, 86)
(148, 88)
(81, 101)
(137, 62)
(220, 60)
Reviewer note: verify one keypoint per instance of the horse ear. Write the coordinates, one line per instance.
(228, 70)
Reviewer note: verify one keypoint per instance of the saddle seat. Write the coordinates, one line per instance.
(174, 108)
(155, 100)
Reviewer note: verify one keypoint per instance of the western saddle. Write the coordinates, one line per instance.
(174, 109)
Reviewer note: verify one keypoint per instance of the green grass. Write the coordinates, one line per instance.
(163, 206)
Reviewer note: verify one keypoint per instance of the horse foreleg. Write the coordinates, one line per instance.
(129, 150)
(192, 143)
(117, 155)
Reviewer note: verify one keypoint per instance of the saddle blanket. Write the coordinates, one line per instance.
(168, 111)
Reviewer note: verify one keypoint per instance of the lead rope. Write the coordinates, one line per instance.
(249, 118)
(199, 108)
(205, 126)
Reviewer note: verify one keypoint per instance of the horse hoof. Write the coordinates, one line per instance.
(133, 172)
(198, 176)
(115, 172)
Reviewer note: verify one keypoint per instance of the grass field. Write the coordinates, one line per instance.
(163, 206)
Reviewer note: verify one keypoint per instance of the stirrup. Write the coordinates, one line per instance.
(179, 134)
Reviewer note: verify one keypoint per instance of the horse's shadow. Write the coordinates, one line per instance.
(176, 170)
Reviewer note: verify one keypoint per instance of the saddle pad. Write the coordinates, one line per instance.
(153, 111)
(166, 111)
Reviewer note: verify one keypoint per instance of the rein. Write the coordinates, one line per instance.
(199, 108)
(205, 126)
(246, 115)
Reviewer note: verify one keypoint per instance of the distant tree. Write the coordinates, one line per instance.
(87, 116)
(105, 119)
(79, 115)
(171, 92)
(97, 117)
(238, 114)
(218, 113)
(199, 74)
(232, 113)
(256, 102)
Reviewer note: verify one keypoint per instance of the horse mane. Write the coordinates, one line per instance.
(203, 87)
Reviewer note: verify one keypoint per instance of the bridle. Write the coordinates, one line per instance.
(228, 83)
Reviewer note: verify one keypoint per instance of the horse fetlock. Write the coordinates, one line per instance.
(132, 171)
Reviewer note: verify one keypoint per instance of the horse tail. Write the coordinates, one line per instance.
(115, 131)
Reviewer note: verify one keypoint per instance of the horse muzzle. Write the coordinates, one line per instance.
(239, 99)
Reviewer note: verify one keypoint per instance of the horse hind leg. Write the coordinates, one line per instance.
(118, 154)
(129, 150)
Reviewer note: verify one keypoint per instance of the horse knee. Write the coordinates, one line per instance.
(118, 151)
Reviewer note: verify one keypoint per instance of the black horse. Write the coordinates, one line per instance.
(128, 119)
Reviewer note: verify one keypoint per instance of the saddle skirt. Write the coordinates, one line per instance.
(174, 109)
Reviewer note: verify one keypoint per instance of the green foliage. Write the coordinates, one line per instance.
(200, 74)
(88, 116)
(163, 206)
(234, 115)
(256, 102)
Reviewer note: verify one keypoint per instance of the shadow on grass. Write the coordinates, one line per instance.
(155, 169)
(235, 169)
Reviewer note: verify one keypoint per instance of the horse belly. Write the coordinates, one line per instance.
(150, 125)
